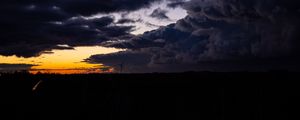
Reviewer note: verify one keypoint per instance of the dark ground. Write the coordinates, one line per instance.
(184, 96)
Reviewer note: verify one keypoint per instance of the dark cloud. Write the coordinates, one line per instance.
(132, 61)
(27, 41)
(214, 31)
(138, 61)
(84, 7)
(159, 14)
(241, 29)
(176, 3)
(29, 27)
(155, 38)
(84, 31)
(225, 34)
(23, 28)
(14, 67)
(125, 20)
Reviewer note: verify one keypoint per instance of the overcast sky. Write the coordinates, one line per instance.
(158, 35)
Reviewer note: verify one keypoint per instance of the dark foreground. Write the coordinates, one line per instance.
(185, 96)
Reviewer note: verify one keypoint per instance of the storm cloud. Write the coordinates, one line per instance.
(224, 33)
(215, 32)
(29, 27)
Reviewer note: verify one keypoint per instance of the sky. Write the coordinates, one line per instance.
(80, 36)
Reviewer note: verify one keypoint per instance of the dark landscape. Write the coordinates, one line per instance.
(179, 96)
(149, 59)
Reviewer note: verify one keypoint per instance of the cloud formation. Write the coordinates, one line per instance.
(30, 27)
(234, 32)
(176, 3)
(160, 14)
(14, 67)
(213, 32)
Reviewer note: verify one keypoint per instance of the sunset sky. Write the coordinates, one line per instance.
(63, 61)
(96, 36)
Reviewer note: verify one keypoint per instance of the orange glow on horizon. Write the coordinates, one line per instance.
(70, 71)
(64, 61)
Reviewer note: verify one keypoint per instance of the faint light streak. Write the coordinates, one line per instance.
(36, 85)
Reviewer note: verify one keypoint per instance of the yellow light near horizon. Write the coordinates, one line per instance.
(62, 60)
